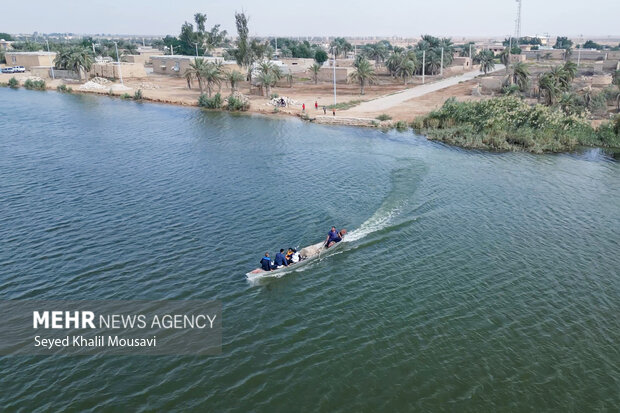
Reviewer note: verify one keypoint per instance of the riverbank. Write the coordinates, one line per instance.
(422, 113)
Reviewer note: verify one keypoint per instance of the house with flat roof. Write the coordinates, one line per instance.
(30, 59)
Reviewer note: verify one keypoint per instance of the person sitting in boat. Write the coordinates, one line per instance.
(295, 256)
(289, 254)
(339, 236)
(280, 259)
(331, 235)
(265, 263)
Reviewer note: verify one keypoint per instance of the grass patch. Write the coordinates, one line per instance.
(64, 89)
(34, 84)
(138, 95)
(345, 105)
(510, 124)
(125, 96)
(13, 83)
(384, 116)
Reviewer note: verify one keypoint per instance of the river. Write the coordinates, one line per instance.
(470, 281)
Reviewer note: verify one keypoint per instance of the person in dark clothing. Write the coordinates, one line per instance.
(280, 259)
(324, 110)
(265, 263)
(331, 236)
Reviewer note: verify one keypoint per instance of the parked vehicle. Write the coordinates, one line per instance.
(19, 69)
(8, 70)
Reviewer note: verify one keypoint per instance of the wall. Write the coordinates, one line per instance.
(297, 65)
(111, 70)
(45, 72)
(556, 54)
(29, 59)
(326, 74)
(464, 62)
(177, 65)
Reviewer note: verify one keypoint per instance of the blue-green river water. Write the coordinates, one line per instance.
(470, 281)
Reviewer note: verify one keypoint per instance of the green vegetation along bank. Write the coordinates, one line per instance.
(511, 124)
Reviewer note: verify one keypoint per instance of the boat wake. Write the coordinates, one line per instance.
(404, 184)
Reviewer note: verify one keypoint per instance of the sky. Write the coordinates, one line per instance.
(404, 18)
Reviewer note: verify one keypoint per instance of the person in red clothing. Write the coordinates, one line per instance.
(316, 105)
(303, 107)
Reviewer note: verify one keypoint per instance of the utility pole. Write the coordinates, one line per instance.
(196, 48)
(423, 64)
(335, 102)
(118, 59)
(470, 51)
(276, 47)
(579, 52)
(441, 71)
(50, 56)
(95, 53)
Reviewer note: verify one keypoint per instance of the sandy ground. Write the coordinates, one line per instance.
(167, 89)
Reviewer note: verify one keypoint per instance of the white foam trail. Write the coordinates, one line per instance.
(376, 222)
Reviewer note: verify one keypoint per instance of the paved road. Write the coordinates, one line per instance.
(389, 101)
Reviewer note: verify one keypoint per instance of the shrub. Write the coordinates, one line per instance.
(125, 96)
(13, 83)
(34, 84)
(138, 95)
(598, 104)
(210, 103)
(401, 125)
(274, 96)
(237, 104)
(383, 117)
(510, 90)
(508, 123)
(276, 110)
(64, 89)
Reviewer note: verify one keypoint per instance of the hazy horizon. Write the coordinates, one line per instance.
(476, 18)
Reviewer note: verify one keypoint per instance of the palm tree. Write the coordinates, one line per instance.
(268, 76)
(571, 70)
(315, 69)
(406, 68)
(548, 86)
(393, 62)
(234, 78)
(520, 75)
(195, 70)
(504, 57)
(616, 81)
(266, 80)
(377, 52)
(364, 73)
(561, 76)
(487, 61)
(80, 61)
(211, 73)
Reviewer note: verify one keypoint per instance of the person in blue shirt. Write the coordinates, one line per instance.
(280, 259)
(265, 263)
(331, 236)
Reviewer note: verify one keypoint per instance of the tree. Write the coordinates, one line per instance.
(268, 76)
(211, 74)
(243, 53)
(195, 70)
(234, 78)
(377, 52)
(320, 56)
(76, 58)
(571, 70)
(406, 67)
(364, 74)
(561, 77)
(616, 81)
(487, 61)
(5, 36)
(521, 76)
(315, 69)
(563, 43)
(592, 45)
(549, 88)
(340, 46)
